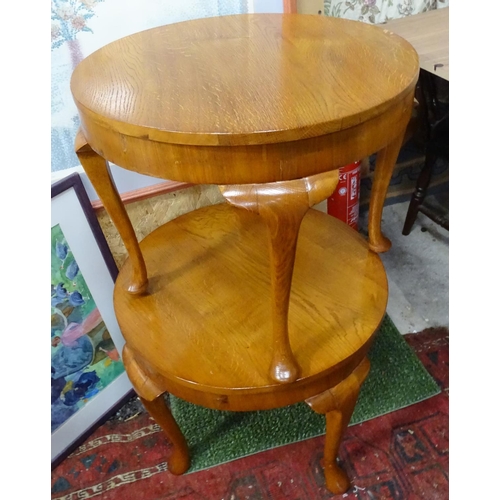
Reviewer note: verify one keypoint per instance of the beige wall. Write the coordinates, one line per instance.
(310, 6)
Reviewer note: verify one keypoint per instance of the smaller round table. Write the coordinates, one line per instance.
(259, 302)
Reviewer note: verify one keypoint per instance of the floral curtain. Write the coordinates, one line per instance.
(79, 27)
(379, 11)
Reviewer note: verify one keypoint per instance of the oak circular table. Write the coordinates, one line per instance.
(260, 302)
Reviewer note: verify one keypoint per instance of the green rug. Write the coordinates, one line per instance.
(397, 379)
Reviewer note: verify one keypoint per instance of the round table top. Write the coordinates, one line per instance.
(206, 320)
(259, 78)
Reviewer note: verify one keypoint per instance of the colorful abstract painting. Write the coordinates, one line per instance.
(84, 358)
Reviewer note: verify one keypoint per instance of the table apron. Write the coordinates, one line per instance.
(247, 164)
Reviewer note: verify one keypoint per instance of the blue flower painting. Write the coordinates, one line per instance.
(84, 357)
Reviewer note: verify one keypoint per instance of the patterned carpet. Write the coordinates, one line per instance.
(401, 455)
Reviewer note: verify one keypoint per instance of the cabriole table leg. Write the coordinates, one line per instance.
(338, 404)
(97, 169)
(150, 391)
(384, 167)
(282, 205)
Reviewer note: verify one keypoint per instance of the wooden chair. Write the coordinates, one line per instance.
(433, 123)
(260, 302)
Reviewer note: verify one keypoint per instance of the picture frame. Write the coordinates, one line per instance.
(88, 379)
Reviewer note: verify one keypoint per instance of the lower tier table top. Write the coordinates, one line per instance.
(206, 319)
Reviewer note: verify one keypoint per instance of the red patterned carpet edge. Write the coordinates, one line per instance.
(401, 455)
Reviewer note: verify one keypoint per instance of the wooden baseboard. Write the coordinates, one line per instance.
(147, 192)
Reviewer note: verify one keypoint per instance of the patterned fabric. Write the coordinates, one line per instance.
(79, 27)
(401, 455)
(379, 11)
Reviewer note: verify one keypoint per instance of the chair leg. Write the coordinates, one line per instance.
(338, 405)
(418, 196)
(179, 460)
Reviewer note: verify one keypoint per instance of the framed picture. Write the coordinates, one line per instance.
(88, 379)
